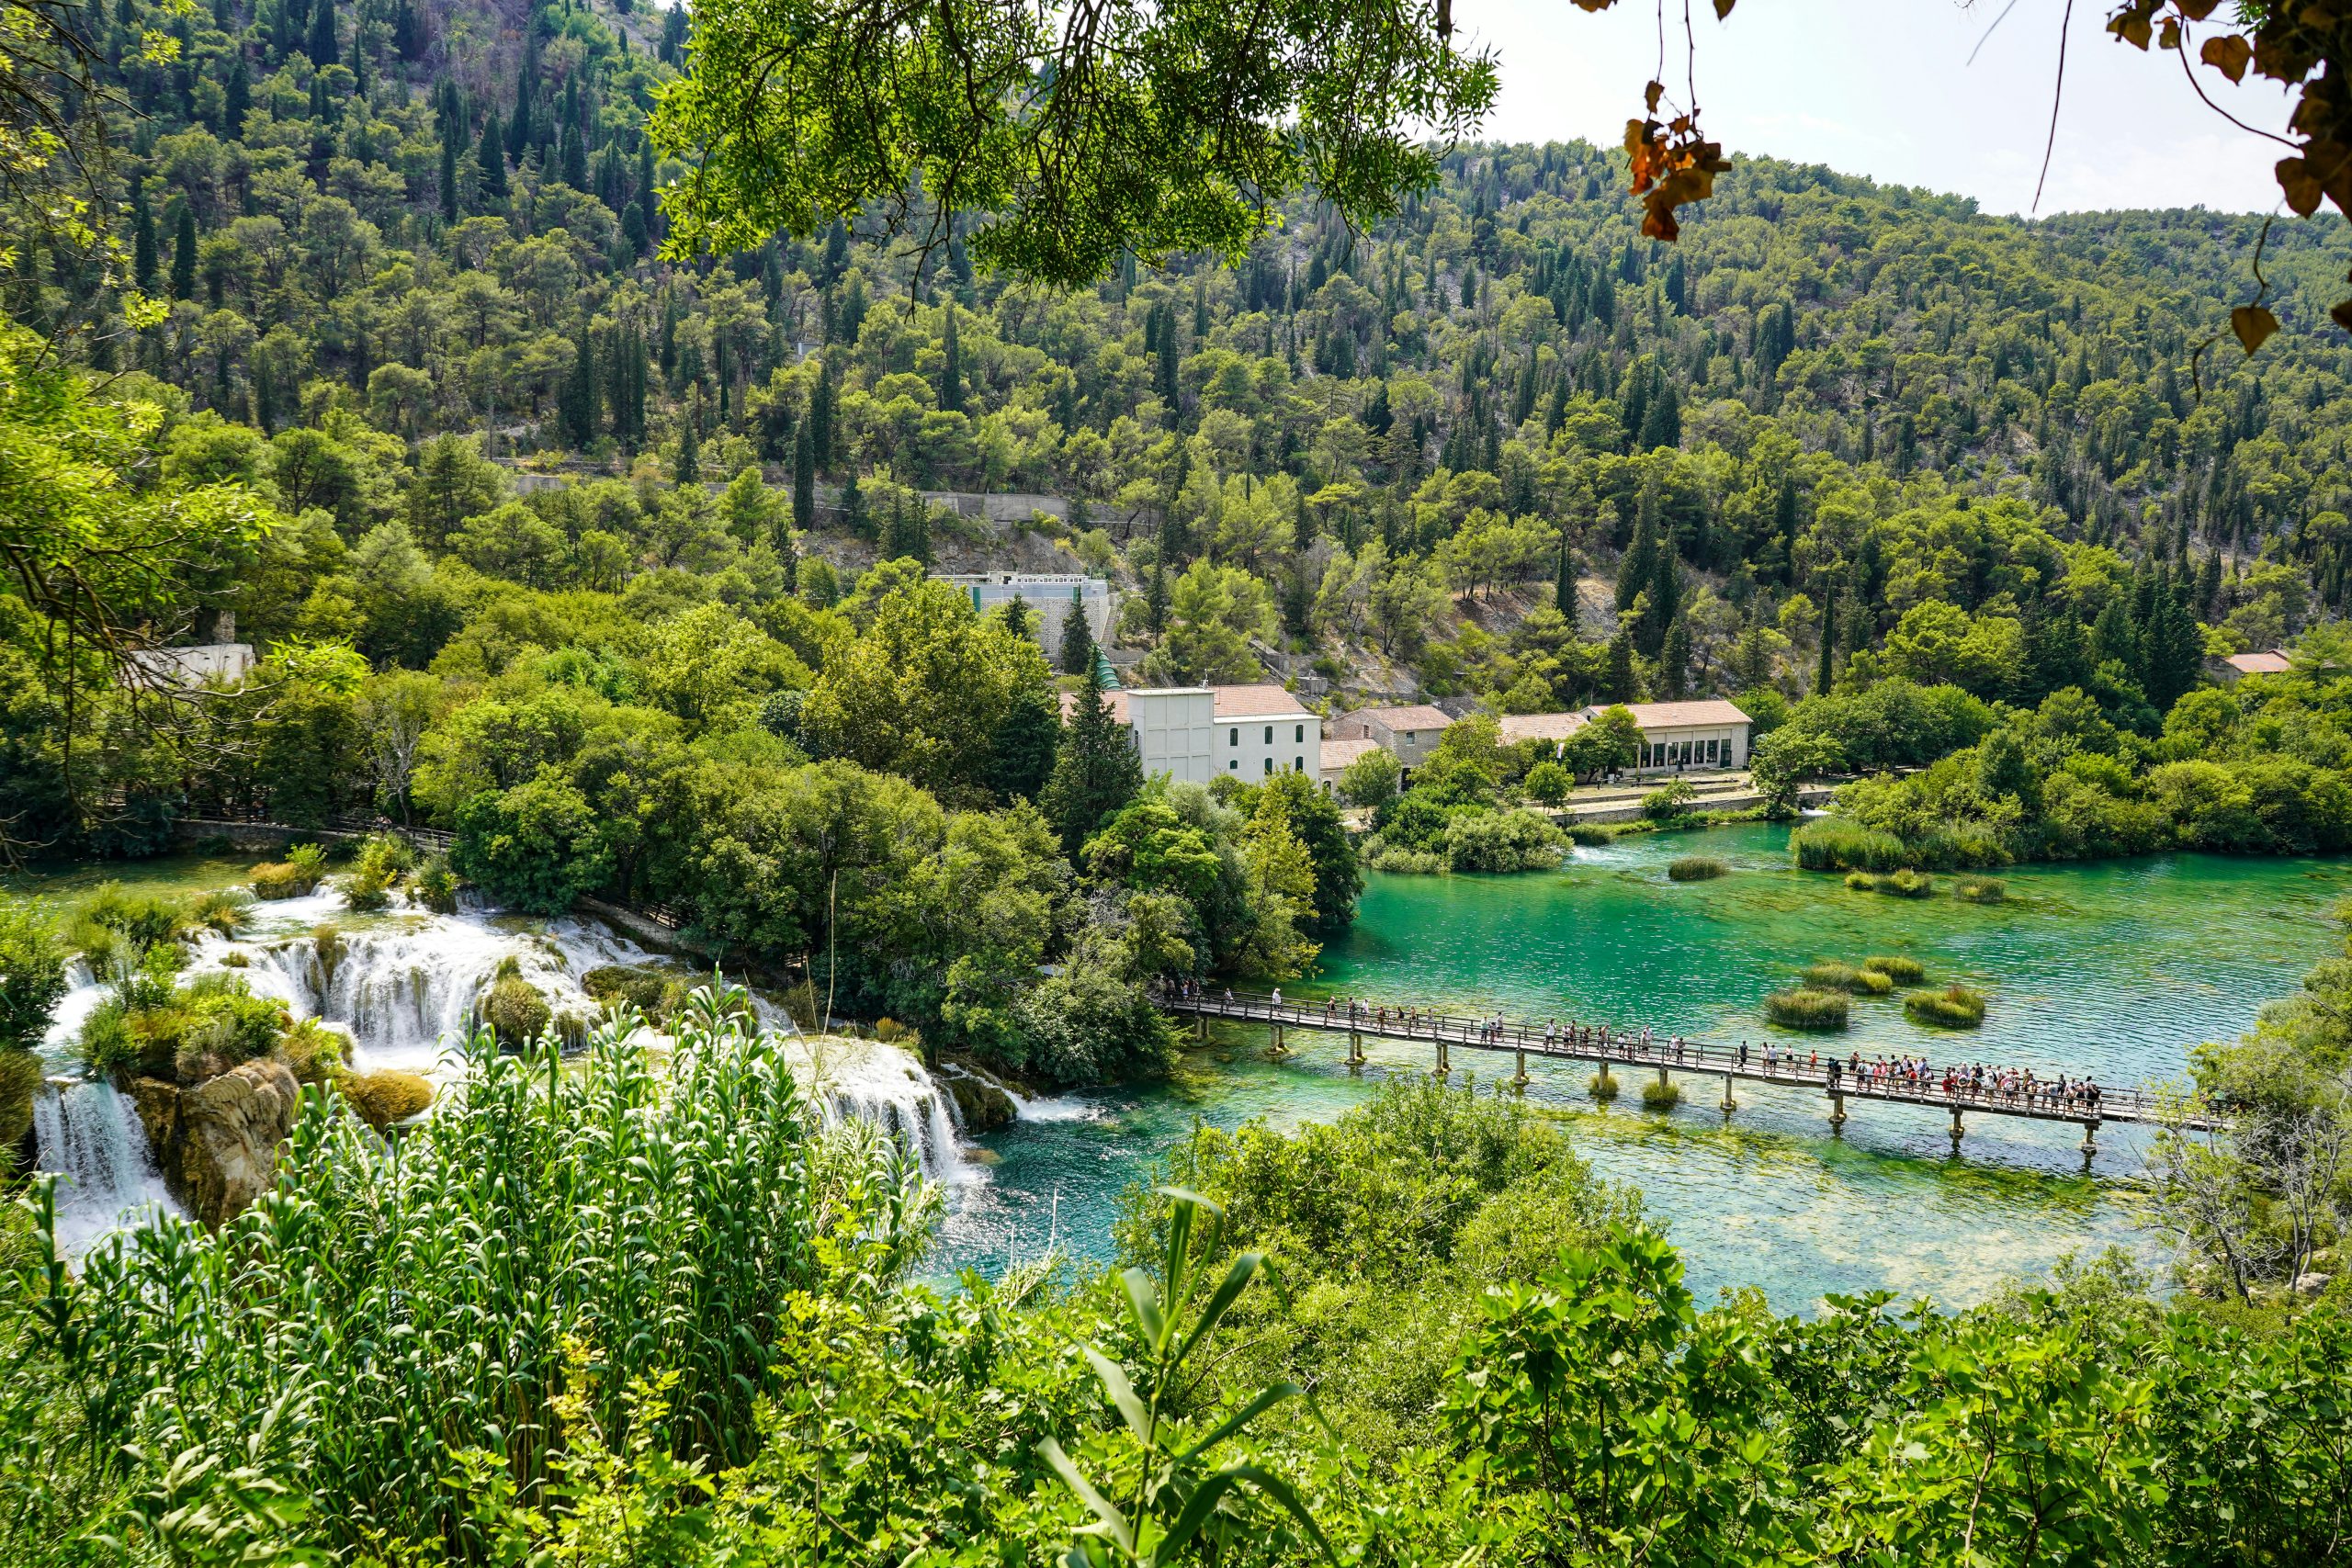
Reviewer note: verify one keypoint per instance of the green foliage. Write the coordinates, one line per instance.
(1830, 843)
(32, 973)
(1601, 1085)
(436, 885)
(1501, 841)
(1548, 783)
(190, 1032)
(515, 1011)
(1371, 780)
(1806, 1008)
(1696, 868)
(1656, 1095)
(1954, 1007)
(1900, 968)
(1979, 889)
(535, 847)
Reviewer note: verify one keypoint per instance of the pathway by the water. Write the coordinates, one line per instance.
(2116, 970)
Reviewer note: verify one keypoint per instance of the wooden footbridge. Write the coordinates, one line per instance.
(2086, 1105)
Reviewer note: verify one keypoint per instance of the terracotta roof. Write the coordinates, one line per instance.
(1678, 715)
(1417, 715)
(1255, 702)
(1519, 727)
(2268, 661)
(1337, 754)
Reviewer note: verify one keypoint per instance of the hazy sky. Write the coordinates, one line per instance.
(1883, 87)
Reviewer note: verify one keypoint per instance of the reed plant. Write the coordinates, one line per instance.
(1601, 1087)
(1954, 1007)
(1831, 977)
(1907, 884)
(1661, 1095)
(1980, 889)
(1696, 868)
(1802, 1006)
(1588, 835)
(1832, 843)
(375, 1325)
(1900, 968)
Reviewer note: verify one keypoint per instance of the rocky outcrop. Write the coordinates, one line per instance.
(982, 1105)
(158, 1104)
(222, 1149)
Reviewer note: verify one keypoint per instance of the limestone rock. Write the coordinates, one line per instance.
(225, 1153)
(981, 1104)
(2309, 1285)
(158, 1104)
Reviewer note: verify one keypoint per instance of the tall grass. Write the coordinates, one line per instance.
(402, 1312)
(1832, 843)
(1954, 1007)
(1696, 868)
(1980, 889)
(1900, 969)
(1805, 1008)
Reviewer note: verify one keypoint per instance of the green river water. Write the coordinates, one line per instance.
(2116, 969)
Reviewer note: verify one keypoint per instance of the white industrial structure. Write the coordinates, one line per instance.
(1197, 733)
(1052, 595)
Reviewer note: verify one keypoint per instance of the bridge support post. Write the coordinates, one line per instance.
(1356, 1048)
(1280, 1049)
(1955, 1129)
(1730, 1104)
(1201, 1027)
(1443, 1066)
(1662, 1079)
(2090, 1142)
(1837, 1111)
(1519, 1081)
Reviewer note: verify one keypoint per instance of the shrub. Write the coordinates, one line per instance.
(113, 918)
(32, 974)
(1548, 781)
(1661, 1095)
(1589, 835)
(515, 1010)
(1501, 841)
(383, 861)
(651, 992)
(1601, 1087)
(1696, 868)
(1899, 968)
(20, 1080)
(434, 886)
(308, 859)
(315, 1052)
(1670, 802)
(283, 879)
(1860, 881)
(1380, 855)
(1908, 884)
(1980, 890)
(384, 1098)
(534, 848)
(1832, 843)
(1954, 1007)
(223, 910)
(1804, 1007)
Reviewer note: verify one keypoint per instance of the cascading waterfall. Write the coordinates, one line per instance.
(90, 1137)
(869, 1080)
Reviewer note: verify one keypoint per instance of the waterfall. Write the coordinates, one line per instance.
(885, 1085)
(91, 1137)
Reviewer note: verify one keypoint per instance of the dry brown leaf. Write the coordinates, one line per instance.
(2253, 325)
(2229, 55)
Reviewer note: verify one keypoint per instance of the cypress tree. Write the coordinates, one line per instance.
(490, 157)
(803, 479)
(1096, 770)
(1078, 642)
(1618, 677)
(1828, 642)
(820, 417)
(448, 182)
(649, 206)
(1563, 591)
(143, 243)
(322, 47)
(238, 98)
(183, 254)
(1674, 660)
(579, 397)
(689, 468)
(950, 368)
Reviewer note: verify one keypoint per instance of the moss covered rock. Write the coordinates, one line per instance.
(20, 1076)
(384, 1098)
(224, 1151)
(515, 1010)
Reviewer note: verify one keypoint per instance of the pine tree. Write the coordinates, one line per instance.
(183, 254)
(1078, 640)
(1096, 770)
(489, 157)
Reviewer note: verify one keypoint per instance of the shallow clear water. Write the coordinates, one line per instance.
(2116, 969)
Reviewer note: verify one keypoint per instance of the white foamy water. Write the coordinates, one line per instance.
(885, 1085)
(90, 1137)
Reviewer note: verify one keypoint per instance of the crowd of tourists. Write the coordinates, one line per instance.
(1976, 1083)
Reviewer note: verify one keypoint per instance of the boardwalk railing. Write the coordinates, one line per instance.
(2086, 1105)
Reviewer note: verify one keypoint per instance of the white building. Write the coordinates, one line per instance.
(1197, 733)
(1052, 595)
(1711, 733)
